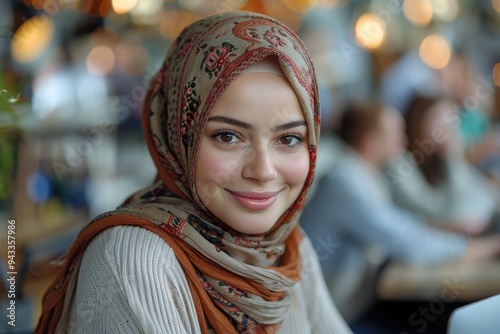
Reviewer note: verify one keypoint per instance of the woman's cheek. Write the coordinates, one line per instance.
(219, 168)
(295, 170)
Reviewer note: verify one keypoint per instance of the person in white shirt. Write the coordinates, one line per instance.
(213, 245)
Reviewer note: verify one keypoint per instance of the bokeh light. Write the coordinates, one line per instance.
(123, 6)
(435, 51)
(496, 74)
(32, 38)
(370, 31)
(446, 10)
(100, 60)
(418, 12)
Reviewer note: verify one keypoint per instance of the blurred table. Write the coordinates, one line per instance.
(451, 282)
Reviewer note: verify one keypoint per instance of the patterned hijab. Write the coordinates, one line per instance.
(239, 283)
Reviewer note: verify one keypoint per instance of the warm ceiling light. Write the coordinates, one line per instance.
(370, 31)
(123, 6)
(435, 51)
(100, 60)
(32, 38)
(418, 12)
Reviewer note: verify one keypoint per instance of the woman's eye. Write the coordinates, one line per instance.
(226, 137)
(290, 140)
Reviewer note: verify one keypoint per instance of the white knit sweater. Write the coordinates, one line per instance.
(131, 282)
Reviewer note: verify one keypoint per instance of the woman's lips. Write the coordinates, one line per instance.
(254, 200)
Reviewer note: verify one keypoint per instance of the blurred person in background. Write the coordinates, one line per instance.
(433, 178)
(351, 216)
(473, 93)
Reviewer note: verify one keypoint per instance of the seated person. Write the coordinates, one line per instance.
(433, 178)
(351, 213)
(460, 80)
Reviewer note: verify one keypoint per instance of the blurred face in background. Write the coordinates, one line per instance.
(458, 79)
(391, 138)
(437, 127)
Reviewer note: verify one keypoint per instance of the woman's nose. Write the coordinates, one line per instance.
(259, 166)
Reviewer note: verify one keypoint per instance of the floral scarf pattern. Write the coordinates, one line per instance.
(240, 283)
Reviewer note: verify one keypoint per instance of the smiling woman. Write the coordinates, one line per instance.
(213, 245)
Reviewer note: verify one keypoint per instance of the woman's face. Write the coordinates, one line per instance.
(254, 158)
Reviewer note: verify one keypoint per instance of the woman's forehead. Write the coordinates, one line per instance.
(260, 98)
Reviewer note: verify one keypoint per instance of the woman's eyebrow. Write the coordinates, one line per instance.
(232, 121)
(235, 122)
(289, 125)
